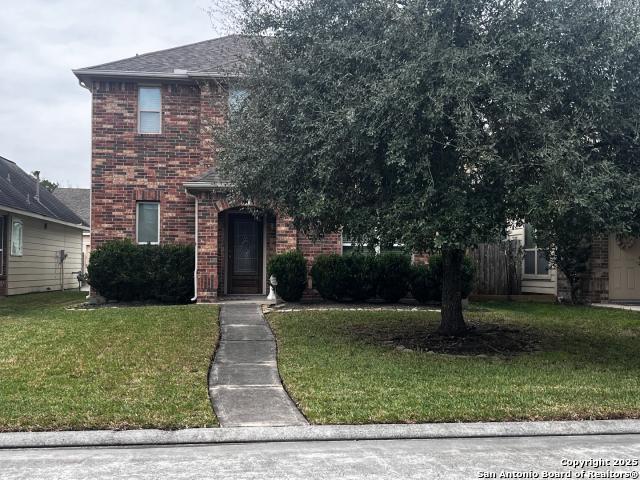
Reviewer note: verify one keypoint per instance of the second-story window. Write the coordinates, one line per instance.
(149, 110)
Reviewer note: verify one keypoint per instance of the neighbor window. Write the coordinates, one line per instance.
(149, 108)
(148, 223)
(16, 238)
(535, 262)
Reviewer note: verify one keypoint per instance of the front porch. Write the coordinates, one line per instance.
(233, 247)
(235, 242)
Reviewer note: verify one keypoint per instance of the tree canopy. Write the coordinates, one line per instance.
(48, 184)
(433, 123)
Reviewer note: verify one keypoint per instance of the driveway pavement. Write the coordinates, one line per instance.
(371, 459)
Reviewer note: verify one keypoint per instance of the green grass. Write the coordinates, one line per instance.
(113, 368)
(587, 366)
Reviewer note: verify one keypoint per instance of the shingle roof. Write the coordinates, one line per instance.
(18, 191)
(216, 57)
(78, 200)
(211, 178)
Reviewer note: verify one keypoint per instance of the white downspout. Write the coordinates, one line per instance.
(195, 269)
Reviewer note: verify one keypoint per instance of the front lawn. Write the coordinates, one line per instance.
(113, 368)
(351, 367)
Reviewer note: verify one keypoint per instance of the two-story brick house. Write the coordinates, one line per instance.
(153, 165)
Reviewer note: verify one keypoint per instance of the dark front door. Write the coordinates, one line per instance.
(245, 254)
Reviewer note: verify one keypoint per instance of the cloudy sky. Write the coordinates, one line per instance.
(44, 114)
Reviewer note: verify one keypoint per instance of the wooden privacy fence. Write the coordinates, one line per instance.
(498, 268)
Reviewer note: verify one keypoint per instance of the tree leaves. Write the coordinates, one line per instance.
(436, 124)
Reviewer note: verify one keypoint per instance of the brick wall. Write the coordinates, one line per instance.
(222, 249)
(286, 236)
(127, 166)
(208, 252)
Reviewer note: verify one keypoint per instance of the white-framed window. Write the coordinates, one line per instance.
(149, 110)
(535, 262)
(148, 222)
(16, 238)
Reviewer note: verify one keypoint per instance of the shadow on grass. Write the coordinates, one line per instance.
(572, 332)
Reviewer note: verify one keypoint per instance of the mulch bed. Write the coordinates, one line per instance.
(350, 306)
(483, 339)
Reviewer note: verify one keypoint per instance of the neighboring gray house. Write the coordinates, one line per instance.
(40, 238)
(79, 202)
(613, 275)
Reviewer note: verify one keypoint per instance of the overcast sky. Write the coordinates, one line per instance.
(45, 116)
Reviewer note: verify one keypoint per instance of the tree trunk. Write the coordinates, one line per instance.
(578, 286)
(452, 322)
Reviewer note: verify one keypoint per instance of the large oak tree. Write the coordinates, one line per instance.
(424, 122)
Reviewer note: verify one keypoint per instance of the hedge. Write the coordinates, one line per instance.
(389, 276)
(121, 270)
(393, 271)
(345, 277)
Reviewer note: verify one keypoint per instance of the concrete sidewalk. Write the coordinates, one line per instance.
(454, 458)
(244, 383)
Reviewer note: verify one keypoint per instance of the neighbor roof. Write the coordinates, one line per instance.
(18, 192)
(78, 200)
(218, 57)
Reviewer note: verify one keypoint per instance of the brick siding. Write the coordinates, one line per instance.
(128, 167)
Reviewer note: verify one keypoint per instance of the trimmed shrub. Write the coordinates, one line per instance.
(121, 270)
(330, 276)
(422, 285)
(362, 276)
(345, 277)
(290, 270)
(393, 272)
(174, 273)
(433, 279)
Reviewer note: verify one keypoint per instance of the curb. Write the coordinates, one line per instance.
(194, 436)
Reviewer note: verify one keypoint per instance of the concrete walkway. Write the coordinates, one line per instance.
(619, 306)
(244, 383)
